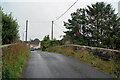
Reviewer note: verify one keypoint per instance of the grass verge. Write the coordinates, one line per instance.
(13, 60)
(110, 67)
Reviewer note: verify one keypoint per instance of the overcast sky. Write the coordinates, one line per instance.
(40, 14)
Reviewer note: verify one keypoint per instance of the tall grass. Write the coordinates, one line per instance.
(109, 67)
(13, 60)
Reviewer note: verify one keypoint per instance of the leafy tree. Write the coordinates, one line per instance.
(95, 25)
(0, 26)
(104, 23)
(54, 42)
(36, 39)
(45, 43)
(9, 29)
(76, 26)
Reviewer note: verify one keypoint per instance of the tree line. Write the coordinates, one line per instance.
(96, 25)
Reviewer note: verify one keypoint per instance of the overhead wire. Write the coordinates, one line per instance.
(58, 27)
(66, 10)
(64, 13)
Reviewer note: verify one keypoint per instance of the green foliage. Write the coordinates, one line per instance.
(13, 60)
(46, 42)
(96, 25)
(36, 39)
(117, 70)
(0, 34)
(0, 26)
(9, 29)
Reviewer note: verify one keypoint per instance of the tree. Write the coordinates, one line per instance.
(36, 39)
(9, 29)
(103, 21)
(0, 26)
(76, 26)
(45, 43)
(95, 25)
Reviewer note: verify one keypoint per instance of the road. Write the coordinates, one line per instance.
(53, 65)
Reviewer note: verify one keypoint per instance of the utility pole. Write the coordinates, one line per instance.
(26, 29)
(119, 9)
(52, 31)
(23, 36)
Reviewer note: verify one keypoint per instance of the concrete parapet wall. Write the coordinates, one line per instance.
(103, 53)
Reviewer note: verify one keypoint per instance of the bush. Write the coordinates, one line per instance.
(46, 42)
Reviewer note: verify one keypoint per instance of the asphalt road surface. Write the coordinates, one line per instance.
(53, 65)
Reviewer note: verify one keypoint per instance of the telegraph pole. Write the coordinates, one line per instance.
(52, 31)
(26, 29)
(23, 36)
(119, 9)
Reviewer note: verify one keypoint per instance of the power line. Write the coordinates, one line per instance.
(58, 27)
(66, 10)
(61, 16)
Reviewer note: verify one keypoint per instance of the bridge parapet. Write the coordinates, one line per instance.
(103, 53)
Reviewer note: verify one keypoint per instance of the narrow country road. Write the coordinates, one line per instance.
(53, 65)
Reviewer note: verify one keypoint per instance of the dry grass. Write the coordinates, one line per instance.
(84, 56)
(13, 60)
